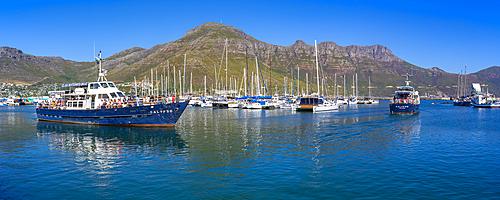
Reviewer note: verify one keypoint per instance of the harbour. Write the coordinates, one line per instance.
(238, 100)
(358, 151)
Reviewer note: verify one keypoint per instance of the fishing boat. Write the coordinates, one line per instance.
(482, 100)
(102, 103)
(406, 100)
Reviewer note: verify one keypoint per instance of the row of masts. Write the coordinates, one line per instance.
(462, 88)
(165, 85)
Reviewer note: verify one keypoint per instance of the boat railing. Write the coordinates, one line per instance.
(61, 104)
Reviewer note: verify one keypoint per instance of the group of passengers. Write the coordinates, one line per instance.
(117, 103)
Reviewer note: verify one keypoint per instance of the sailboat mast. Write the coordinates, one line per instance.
(369, 88)
(257, 76)
(168, 78)
(307, 84)
(465, 79)
(270, 71)
(344, 87)
(245, 75)
(227, 49)
(298, 81)
(356, 85)
(175, 87)
(184, 77)
(336, 88)
(317, 64)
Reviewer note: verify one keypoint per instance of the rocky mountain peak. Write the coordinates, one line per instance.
(9, 50)
(211, 28)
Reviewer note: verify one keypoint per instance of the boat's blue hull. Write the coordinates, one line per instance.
(150, 115)
(403, 108)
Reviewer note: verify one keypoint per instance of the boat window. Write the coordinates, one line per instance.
(74, 103)
(104, 85)
(111, 85)
(96, 86)
(120, 94)
(80, 104)
(103, 96)
(113, 95)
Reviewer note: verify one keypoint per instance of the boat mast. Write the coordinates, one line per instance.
(298, 81)
(175, 84)
(465, 84)
(245, 75)
(102, 73)
(184, 77)
(369, 88)
(307, 84)
(458, 86)
(344, 86)
(336, 88)
(227, 49)
(356, 85)
(317, 65)
(257, 76)
(168, 79)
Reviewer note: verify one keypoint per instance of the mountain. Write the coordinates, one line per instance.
(204, 48)
(18, 67)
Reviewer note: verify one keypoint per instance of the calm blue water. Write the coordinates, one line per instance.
(444, 152)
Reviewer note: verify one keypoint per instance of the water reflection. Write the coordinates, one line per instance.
(105, 145)
(406, 124)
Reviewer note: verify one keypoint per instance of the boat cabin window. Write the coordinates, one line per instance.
(104, 85)
(113, 95)
(111, 85)
(402, 95)
(120, 94)
(103, 96)
(94, 85)
(311, 101)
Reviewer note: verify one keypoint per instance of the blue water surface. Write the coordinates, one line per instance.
(360, 151)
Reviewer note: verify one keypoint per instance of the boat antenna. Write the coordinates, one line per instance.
(407, 76)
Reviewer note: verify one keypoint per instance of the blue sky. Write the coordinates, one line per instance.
(444, 34)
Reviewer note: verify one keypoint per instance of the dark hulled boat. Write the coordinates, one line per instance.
(406, 100)
(88, 105)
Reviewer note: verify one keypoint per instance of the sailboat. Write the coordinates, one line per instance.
(462, 99)
(315, 102)
(369, 100)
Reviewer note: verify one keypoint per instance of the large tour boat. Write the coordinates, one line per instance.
(406, 100)
(102, 103)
